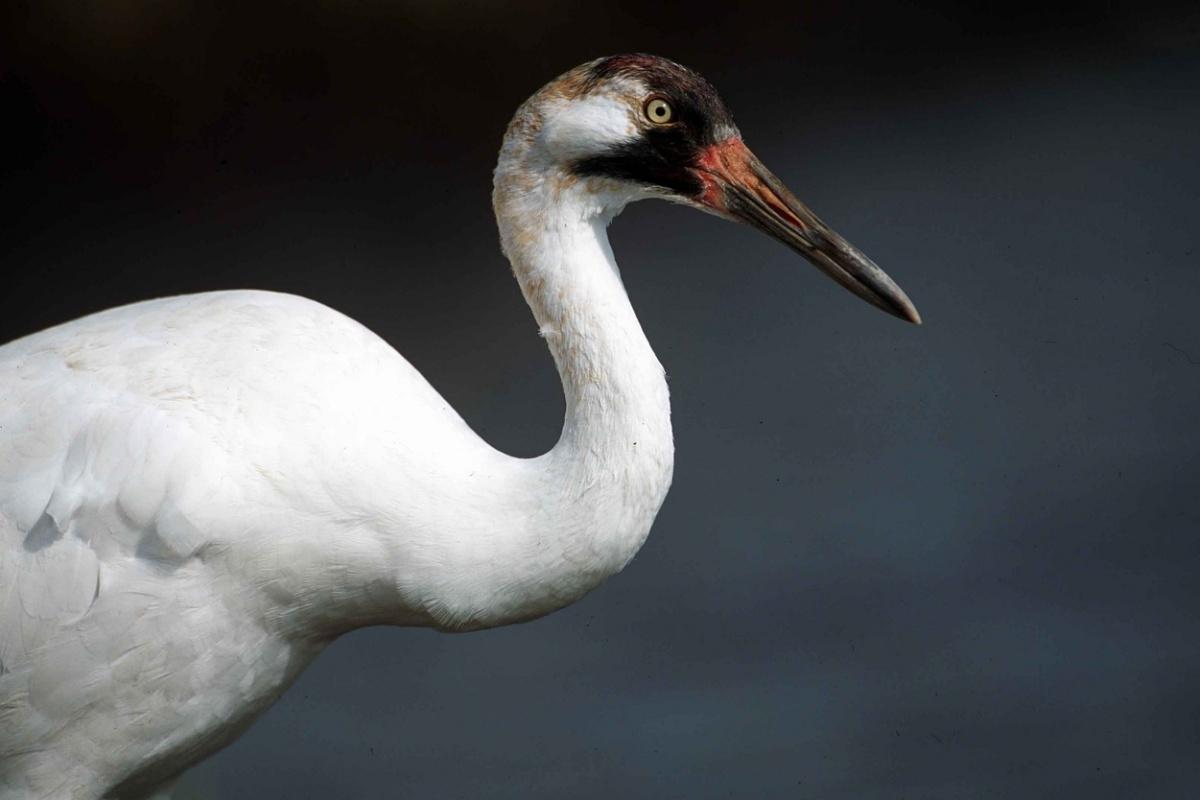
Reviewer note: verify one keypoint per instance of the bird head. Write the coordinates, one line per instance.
(637, 126)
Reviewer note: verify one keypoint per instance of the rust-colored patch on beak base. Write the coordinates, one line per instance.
(737, 186)
(715, 168)
(731, 162)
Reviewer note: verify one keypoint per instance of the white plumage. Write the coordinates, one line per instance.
(199, 493)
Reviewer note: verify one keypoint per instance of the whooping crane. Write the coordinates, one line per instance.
(199, 493)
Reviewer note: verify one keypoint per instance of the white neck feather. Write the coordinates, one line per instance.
(602, 484)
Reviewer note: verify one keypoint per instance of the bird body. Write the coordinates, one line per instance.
(207, 489)
(198, 493)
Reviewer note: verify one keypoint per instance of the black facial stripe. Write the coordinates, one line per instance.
(642, 161)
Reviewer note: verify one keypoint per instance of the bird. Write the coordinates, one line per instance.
(199, 493)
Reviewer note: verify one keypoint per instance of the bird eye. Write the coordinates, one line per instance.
(658, 111)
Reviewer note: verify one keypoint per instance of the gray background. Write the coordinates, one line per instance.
(954, 561)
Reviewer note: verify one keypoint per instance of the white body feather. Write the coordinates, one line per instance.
(198, 493)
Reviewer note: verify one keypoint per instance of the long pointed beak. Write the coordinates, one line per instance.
(738, 186)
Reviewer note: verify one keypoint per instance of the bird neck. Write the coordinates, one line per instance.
(602, 484)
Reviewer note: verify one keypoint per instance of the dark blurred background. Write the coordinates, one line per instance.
(955, 561)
